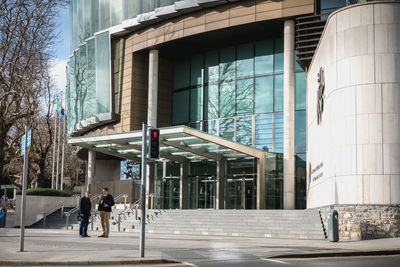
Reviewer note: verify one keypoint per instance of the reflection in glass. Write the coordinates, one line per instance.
(196, 104)
(278, 95)
(227, 64)
(244, 130)
(244, 62)
(278, 131)
(300, 85)
(227, 99)
(211, 66)
(264, 60)
(211, 96)
(264, 132)
(300, 132)
(244, 96)
(300, 181)
(274, 182)
(264, 94)
(278, 55)
(103, 72)
(226, 129)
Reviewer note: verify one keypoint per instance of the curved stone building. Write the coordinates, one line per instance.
(225, 81)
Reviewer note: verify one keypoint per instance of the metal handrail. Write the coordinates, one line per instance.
(132, 207)
(58, 206)
(68, 213)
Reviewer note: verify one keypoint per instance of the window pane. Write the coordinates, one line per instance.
(211, 127)
(104, 20)
(278, 97)
(244, 97)
(245, 55)
(91, 77)
(264, 94)
(227, 99)
(278, 133)
(300, 132)
(297, 67)
(95, 15)
(264, 132)
(116, 12)
(226, 127)
(211, 98)
(131, 8)
(181, 74)
(147, 6)
(301, 184)
(244, 130)
(80, 22)
(87, 32)
(211, 66)
(278, 55)
(197, 70)
(103, 72)
(196, 104)
(227, 64)
(300, 84)
(180, 112)
(264, 60)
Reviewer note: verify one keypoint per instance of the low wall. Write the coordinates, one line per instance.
(36, 205)
(360, 222)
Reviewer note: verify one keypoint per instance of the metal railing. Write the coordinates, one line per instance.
(93, 213)
(58, 206)
(133, 208)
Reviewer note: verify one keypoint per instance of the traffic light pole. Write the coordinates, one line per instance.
(143, 188)
(23, 196)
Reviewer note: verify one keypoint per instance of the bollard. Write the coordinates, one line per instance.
(44, 220)
(333, 227)
(67, 219)
(62, 211)
(91, 221)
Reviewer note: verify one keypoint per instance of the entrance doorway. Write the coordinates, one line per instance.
(167, 192)
(202, 190)
(240, 193)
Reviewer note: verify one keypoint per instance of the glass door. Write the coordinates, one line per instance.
(202, 192)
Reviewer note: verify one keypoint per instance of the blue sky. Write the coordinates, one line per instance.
(61, 50)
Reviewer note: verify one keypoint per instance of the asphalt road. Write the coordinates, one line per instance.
(353, 261)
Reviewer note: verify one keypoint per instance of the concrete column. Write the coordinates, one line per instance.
(220, 188)
(261, 183)
(184, 188)
(152, 89)
(91, 171)
(288, 106)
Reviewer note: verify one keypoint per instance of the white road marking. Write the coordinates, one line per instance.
(276, 261)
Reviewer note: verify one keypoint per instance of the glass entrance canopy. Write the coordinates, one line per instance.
(178, 144)
(183, 145)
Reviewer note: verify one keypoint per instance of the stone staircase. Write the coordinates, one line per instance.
(55, 221)
(295, 224)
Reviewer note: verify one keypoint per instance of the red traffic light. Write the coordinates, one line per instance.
(155, 134)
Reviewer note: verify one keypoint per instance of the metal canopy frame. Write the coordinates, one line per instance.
(179, 144)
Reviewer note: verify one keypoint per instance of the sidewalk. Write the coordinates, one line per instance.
(64, 247)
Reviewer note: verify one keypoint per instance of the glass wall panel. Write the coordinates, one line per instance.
(147, 6)
(227, 64)
(196, 70)
(278, 94)
(245, 58)
(196, 104)
(181, 74)
(87, 22)
(103, 72)
(94, 4)
(117, 51)
(300, 85)
(104, 14)
(300, 182)
(131, 8)
(211, 99)
(278, 132)
(80, 23)
(211, 127)
(300, 131)
(264, 59)
(264, 132)
(166, 2)
(211, 66)
(91, 77)
(244, 96)
(244, 130)
(180, 110)
(274, 183)
(227, 99)
(278, 55)
(264, 94)
(116, 12)
(226, 128)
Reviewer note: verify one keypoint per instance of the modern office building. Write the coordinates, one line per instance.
(226, 81)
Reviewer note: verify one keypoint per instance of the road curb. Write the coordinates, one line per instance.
(337, 254)
(85, 263)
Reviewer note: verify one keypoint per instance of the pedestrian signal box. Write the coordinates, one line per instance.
(154, 146)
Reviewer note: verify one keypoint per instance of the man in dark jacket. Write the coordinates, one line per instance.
(106, 202)
(84, 214)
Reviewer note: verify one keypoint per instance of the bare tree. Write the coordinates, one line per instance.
(27, 33)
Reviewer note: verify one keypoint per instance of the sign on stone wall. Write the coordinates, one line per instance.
(320, 95)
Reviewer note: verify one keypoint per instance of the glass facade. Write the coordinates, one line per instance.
(232, 91)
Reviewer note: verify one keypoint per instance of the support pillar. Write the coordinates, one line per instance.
(152, 89)
(184, 188)
(150, 180)
(91, 171)
(221, 183)
(261, 183)
(288, 106)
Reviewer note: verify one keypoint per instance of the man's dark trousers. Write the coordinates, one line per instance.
(83, 226)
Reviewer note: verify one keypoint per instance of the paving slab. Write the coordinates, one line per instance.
(64, 247)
